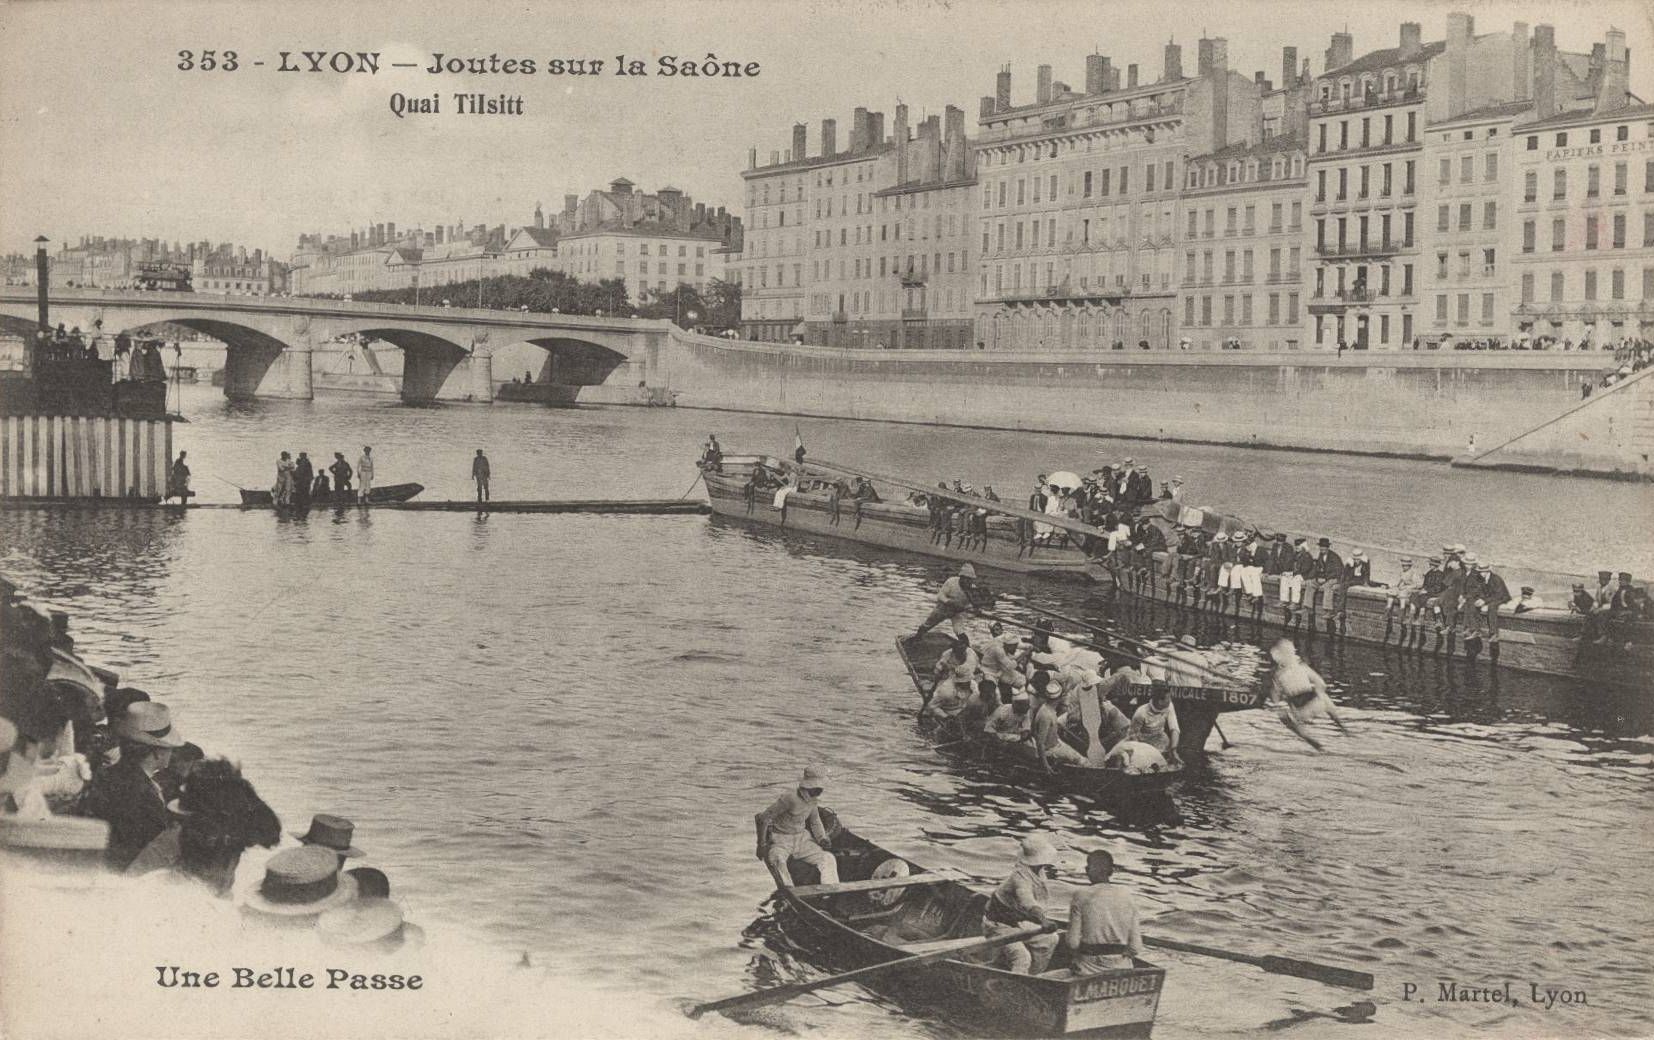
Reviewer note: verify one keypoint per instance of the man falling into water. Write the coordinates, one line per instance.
(1299, 694)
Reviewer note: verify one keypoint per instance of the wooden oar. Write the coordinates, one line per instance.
(1328, 973)
(925, 695)
(779, 994)
(1077, 642)
(1112, 634)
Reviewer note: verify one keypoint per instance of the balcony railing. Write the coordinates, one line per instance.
(1344, 297)
(1373, 99)
(1334, 249)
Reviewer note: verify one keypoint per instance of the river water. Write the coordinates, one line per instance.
(553, 731)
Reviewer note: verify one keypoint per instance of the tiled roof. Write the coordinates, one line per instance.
(1387, 58)
(541, 236)
(1507, 108)
(1278, 143)
(1636, 110)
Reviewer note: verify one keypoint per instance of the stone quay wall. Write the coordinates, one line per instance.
(1426, 404)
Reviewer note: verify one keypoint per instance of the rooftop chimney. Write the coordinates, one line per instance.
(956, 151)
(1461, 30)
(1002, 89)
(1094, 75)
(875, 129)
(829, 137)
(1174, 63)
(1521, 67)
(858, 131)
(1616, 70)
(1544, 71)
(799, 141)
(1342, 50)
(775, 158)
(986, 107)
(1289, 67)
(752, 158)
(1412, 38)
(900, 128)
(1131, 75)
(1042, 85)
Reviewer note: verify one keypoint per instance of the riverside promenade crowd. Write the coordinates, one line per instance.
(97, 775)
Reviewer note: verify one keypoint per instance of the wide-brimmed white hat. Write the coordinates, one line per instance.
(814, 776)
(1037, 851)
(361, 923)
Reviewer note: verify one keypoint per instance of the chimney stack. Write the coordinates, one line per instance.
(1593, 73)
(829, 137)
(858, 131)
(1412, 38)
(1002, 89)
(1544, 71)
(1131, 75)
(775, 158)
(1042, 85)
(800, 141)
(1289, 67)
(1095, 81)
(1521, 71)
(986, 107)
(875, 129)
(752, 158)
(1214, 53)
(1616, 70)
(1113, 79)
(902, 168)
(1461, 30)
(953, 142)
(1173, 69)
(1341, 52)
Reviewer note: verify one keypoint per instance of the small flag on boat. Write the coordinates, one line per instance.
(798, 443)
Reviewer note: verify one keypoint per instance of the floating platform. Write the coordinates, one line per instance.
(653, 507)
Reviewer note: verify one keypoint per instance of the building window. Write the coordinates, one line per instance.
(1467, 169)
(1443, 216)
(1590, 284)
(1616, 283)
(1491, 170)
(1559, 229)
(1464, 216)
(1527, 288)
(1593, 181)
(1559, 186)
(1530, 186)
(1591, 231)
(1621, 174)
(1619, 231)
(1490, 215)
(1556, 286)
(1445, 174)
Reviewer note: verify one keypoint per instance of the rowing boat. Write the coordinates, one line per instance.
(816, 504)
(388, 493)
(885, 922)
(1198, 708)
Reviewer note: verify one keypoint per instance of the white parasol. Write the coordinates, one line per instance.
(1063, 479)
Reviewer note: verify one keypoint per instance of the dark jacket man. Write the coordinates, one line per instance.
(304, 477)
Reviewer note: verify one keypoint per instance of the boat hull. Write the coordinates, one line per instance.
(849, 930)
(890, 526)
(254, 499)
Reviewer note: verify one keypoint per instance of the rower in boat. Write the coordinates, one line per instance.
(1102, 922)
(999, 661)
(954, 600)
(1010, 723)
(1047, 730)
(1019, 902)
(955, 677)
(1155, 724)
(791, 828)
(1299, 693)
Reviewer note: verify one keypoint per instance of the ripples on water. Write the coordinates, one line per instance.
(553, 730)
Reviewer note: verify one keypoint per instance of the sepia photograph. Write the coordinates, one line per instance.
(1015, 518)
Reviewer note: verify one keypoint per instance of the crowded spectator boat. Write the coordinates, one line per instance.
(1206, 560)
(885, 908)
(781, 493)
(255, 497)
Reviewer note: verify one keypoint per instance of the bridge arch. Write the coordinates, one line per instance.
(577, 362)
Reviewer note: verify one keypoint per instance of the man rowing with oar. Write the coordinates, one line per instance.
(1102, 921)
(953, 602)
(1299, 693)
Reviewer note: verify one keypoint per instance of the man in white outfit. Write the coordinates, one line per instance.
(364, 472)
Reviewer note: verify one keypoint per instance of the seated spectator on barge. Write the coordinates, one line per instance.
(218, 817)
(127, 795)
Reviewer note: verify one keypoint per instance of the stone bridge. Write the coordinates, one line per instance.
(448, 351)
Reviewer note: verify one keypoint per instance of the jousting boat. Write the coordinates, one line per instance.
(254, 498)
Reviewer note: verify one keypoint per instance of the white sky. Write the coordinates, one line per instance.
(100, 134)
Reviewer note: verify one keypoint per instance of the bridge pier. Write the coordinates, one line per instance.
(252, 371)
(431, 376)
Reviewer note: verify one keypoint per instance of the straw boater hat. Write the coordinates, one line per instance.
(331, 832)
(377, 923)
(302, 882)
(148, 722)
